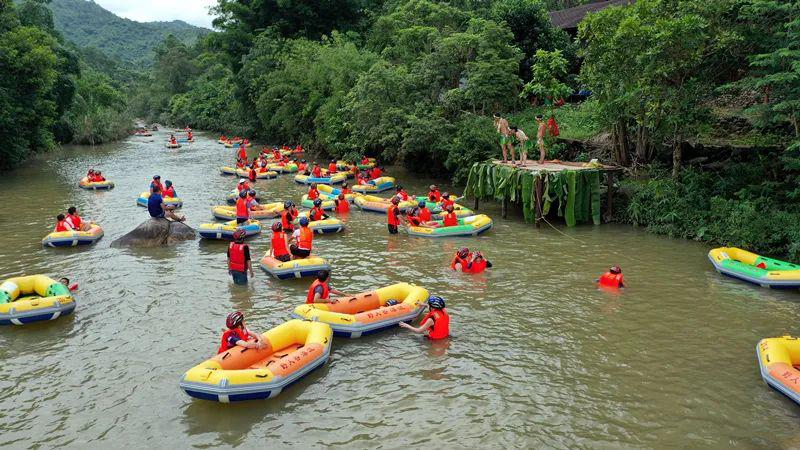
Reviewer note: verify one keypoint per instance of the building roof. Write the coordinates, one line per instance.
(571, 17)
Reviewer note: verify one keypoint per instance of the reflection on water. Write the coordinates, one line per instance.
(538, 356)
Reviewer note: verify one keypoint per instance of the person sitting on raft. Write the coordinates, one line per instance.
(345, 189)
(62, 225)
(313, 192)
(317, 212)
(223, 138)
(159, 210)
(424, 213)
(241, 153)
(363, 178)
(242, 185)
(412, 217)
(237, 334)
(364, 160)
(320, 291)
(239, 262)
(436, 322)
(303, 239)
(316, 170)
(393, 215)
(252, 175)
(342, 205)
(169, 190)
(172, 140)
(98, 177)
(239, 164)
(434, 195)
(613, 278)
(156, 183)
(302, 167)
(252, 203)
(288, 215)
(332, 167)
(280, 243)
(75, 221)
(446, 202)
(376, 172)
(402, 194)
(189, 136)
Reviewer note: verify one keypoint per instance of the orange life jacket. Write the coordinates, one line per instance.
(403, 195)
(425, 214)
(315, 214)
(332, 167)
(613, 280)
(326, 291)
(286, 221)
(169, 192)
(305, 239)
(61, 226)
(447, 202)
(441, 324)
(76, 220)
(342, 206)
(236, 260)
(477, 266)
(435, 196)
(242, 211)
(279, 244)
(313, 194)
(459, 260)
(317, 172)
(450, 219)
(376, 173)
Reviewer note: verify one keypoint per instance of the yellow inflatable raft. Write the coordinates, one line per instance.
(375, 186)
(242, 173)
(225, 230)
(292, 350)
(295, 268)
(33, 299)
(368, 312)
(95, 185)
(270, 211)
(376, 204)
(778, 359)
(752, 268)
(73, 238)
(169, 201)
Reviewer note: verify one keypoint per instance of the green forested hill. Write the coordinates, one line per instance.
(87, 24)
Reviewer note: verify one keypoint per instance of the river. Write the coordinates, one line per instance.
(539, 356)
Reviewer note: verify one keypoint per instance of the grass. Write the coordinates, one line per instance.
(575, 121)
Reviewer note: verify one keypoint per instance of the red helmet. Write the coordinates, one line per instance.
(234, 319)
(615, 269)
(276, 226)
(395, 200)
(239, 235)
(463, 252)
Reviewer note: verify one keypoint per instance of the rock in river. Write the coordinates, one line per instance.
(156, 233)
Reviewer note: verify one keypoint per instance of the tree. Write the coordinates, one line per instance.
(547, 73)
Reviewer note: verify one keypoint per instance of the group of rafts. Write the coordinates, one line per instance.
(778, 357)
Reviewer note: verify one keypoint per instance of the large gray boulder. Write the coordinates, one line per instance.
(156, 233)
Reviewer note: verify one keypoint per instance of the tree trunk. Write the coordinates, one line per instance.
(643, 148)
(620, 139)
(677, 154)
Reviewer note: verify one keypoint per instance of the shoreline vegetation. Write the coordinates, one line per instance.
(696, 100)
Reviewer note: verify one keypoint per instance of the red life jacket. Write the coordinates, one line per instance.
(279, 244)
(403, 195)
(313, 194)
(425, 214)
(441, 324)
(332, 167)
(242, 211)
(317, 172)
(301, 167)
(459, 260)
(315, 214)
(477, 266)
(435, 196)
(61, 226)
(242, 153)
(376, 173)
(392, 215)
(612, 280)
(552, 127)
(326, 291)
(262, 169)
(450, 219)
(240, 334)
(76, 221)
(236, 260)
(342, 206)
(447, 202)
(155, 183)
(252, 175)
(286, 221)
(365, 161)
(169, 192)
(276, 154)
(305, 239)
(346, 191)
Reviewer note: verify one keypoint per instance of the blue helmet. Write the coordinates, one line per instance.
(434, 301)
(422, 203)
(304, 221)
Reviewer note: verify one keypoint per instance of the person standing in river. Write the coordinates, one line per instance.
(506, 144)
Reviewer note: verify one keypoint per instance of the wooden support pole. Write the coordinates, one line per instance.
(609, 195)
(538, 200)
(476, 204)
(504, 208)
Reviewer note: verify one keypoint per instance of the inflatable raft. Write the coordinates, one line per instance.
(377, 185)
(369, 165)
(461, 212)
(372, 203)
(296, 268)
(169, 201)
(73, 238)
(168, 145)
(95, 185)
(288, 168)
(293, 349)
(228, 170)
(259, 175)
(327, 205)
(33, 298)
(225, 230)
(270, 211)
(468, 226)
(366, 313)
(327, 192)
(336, 178)
(325, 226)
(778, 359)
(237, 144)
(752, 268)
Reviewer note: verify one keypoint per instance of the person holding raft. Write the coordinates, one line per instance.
(320, 291)
(239, 262)
(393, 215)
(611, 279)
(342, 205)
(436, 323)
(237, 334)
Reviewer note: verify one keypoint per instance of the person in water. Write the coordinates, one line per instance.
(436, 323)
(242, 185)
(237, 334)
(189, 136)
(313, 192)
(75, 220)
(169, 190)
(465, 261)
(242, 208)
(280, 244)
(239, 263)
(342, 205)
(159, 210)
(317, 213)
(172, 139)
(393, 215)
(613, 278)
(345, 189)
(303, 239)
(320, 291)
(62, 224)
